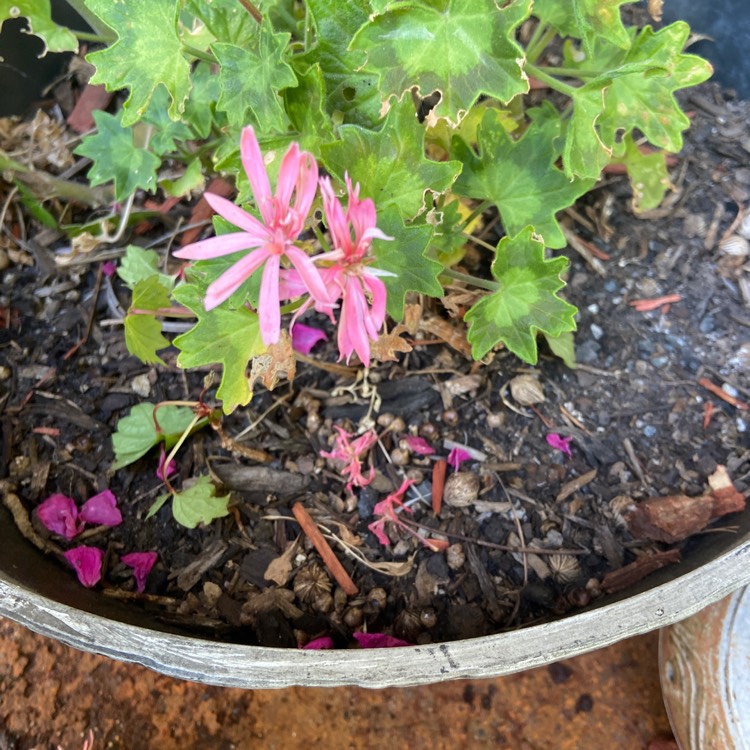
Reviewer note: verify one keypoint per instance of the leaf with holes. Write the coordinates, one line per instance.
(38, 16)
(525, 302)
(390, 164)
(520, 176)
(148, 53)
(199, 503)
(251, 77)
(462, 48)
(116, 158)
(226, 336)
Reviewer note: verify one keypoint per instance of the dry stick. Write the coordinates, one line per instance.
(723, 395)
(90, 321)
(324, 549)
(438, 483)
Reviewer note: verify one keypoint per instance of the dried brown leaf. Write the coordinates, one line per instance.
(280, 568)
(276, 362)
(387, 344)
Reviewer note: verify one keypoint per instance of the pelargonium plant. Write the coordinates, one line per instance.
(366, 140)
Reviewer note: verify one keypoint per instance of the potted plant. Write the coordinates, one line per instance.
(400, 172)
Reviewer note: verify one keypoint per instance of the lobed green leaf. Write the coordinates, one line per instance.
(199, 504)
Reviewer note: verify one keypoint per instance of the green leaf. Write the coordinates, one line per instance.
(199, 504)
(404, 257)
(525, 303)
(304, 105)
(461, 48)
(563, 346)
(587, 20)
(349, 91)
(201, 104)
(137, 433)
(37, 13)
(226, 336)
(222, 21)
(139, 264)
(143, 335)
(251, 77)
(148, 53)
(116, 158)
(648, 175)
(191, 179)
(520, 176)
(163, 136)
(156, 506)
(390, 164)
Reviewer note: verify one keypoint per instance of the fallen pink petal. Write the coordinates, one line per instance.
(102, 510)
(141, 563)
(164, 472)
(109, 268)
(560, 443)
(456, 457)
(351, 453)
(59, 514)
(304, 338)
(87, 563)
(419, 445)
(379, 640)
(318, 644)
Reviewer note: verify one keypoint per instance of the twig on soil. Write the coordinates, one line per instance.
(90, 321)
(330, 560)
(634, 462)
(438, 484)
(719, 393)
(23, 522)
(737, 386)
(590, 253)
(646, 305)
(275, 405)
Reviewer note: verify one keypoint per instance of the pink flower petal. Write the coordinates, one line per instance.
(235, 215)
(163, 471)
(419, 445)
(234, 277)
(456, 457)
(255, 168)
(216, 247)
(109, 268)
(378, 528)
(309, 274)
(141, 563)
(560, 443)
(59, 514)
(269, 312)
(319, 643)
(101, 509)
(87, 563)
(305, 337)
(379, 640)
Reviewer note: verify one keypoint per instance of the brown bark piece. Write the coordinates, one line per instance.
(670, 519)
(628, 576)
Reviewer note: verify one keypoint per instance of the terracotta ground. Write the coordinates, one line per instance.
(50, 694)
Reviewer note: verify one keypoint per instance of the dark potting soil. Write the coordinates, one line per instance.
(641, 420)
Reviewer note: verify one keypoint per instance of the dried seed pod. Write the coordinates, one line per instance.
(408, 625)
(311, 582)
(385, 419)
(375, 602)
(400, 457)
(461, 489)
(455, 556)
(397, 425)
(565, 568)
(354, 617)
(323, 603)
(428, 430)
(735, 244)
(450, 417)
(428, 617)
(526, 390)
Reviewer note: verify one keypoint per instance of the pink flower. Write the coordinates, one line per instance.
(283, 221)
(141, 563)
(456, 457)
(59, 514)
(560, 443)
(101, 509)
(305, 337)
(363, 294)
(419, 445)
(351, 453)
(385, 511)
(87, 562)
(164, 470)
(319, 643)
(379, 640)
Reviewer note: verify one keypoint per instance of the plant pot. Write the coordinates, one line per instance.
(37, 593)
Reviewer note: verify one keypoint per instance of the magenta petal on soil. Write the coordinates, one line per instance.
(456, 457)
(305, 337)
(141, 563)
(87, 562)
(163, 471)
(59, 514)
(101, 509)
(319, 643)
(379, 640)
(560, 443)
(109, 268)
(419, 445)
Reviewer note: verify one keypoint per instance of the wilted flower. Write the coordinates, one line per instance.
(272, 238)
(87, 563)
(351, 453)
(141, 563)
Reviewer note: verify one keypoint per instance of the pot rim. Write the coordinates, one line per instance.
(239, 665)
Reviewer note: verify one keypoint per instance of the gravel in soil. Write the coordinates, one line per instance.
(636, 416)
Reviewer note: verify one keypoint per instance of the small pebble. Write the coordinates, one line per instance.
(596, 331)
(141, 385)
(659, 362)
(707, 325)
(649, 430)
(730, 390)
(593, 309)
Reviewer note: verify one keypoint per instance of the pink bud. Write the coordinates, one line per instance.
(141, 563)
(87, 562)
(59, 515)
(102, 509)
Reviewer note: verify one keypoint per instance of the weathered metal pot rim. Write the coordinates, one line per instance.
(40, 596)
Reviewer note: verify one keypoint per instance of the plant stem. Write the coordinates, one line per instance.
(490, 286)
(569, 72)
(252, 10)
(553, 83)
(538, 45)
(86, 36)
(100, 28)
(480, 209)
(199, 54)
